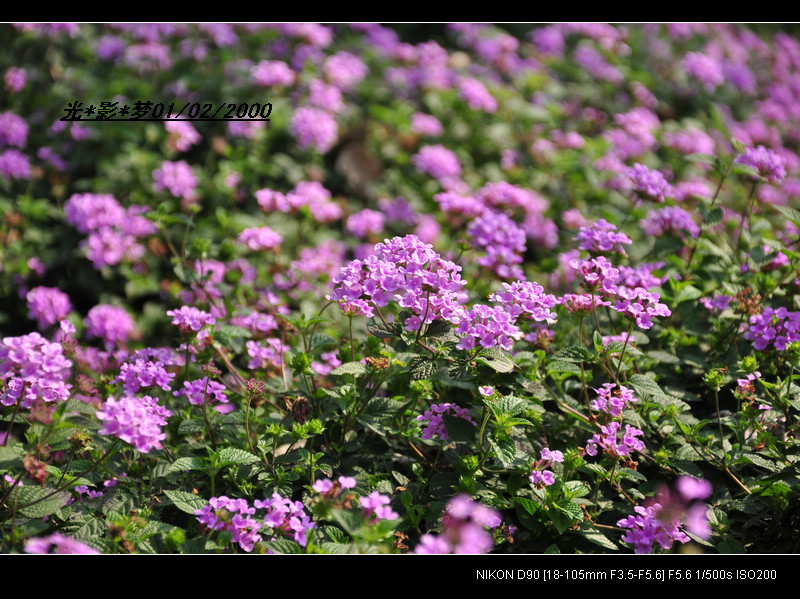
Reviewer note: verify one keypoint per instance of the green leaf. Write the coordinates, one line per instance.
(565, 515)
(562, 366)
(505, 450)
(182, 464)
(186, 502)
(438, 328)
(38, 502)
(458, 429)
(704, 158)
(380, 330)
(422, 367)
(350, 368)
(283, 546)
(645, 386)
(500, 363)
(233, 455)
(529, 505)
(573, 353)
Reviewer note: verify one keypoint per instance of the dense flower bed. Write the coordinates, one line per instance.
(303, 288)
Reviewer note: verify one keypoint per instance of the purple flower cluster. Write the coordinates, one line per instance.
(112, 230)
(344, 70)
(405, 270)
(112, 324)
(775, 328)
(661, 522)
(234, 516)
(526, 299)
(501, 241)
(435, 423)
(271, 73)
(47, 305)
(14, 164)
(178, 178)
(32, 368)
(189, 318)
(612, 401)
(475, 94)
(286, 516)
(488, 327)
(268, 353)
(135, 420)
(365, 222)
(463, 529)
(438, 162)
(649, 184)
(144, 371)
(769, 164)
(375, 507)
(425, 124)
(306, 193)
(608, 440)
(705, 68)
(260, 238)
(200, 391)
(670, 220)
(640, 305)
(597, 274)
(315, 128)
(57, 543)
(182, 135)
(13, 130)
(601, 237)
(540, 475)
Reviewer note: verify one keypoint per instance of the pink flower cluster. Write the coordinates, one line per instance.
(540, 474)
(773, 327)
(32, 368)
(233, 515)
(135, 420)
(286, 516)
(407, 271)
(612, 401)
(674, 509)
(48, 305)
(463, 529)
(260, 238)
(608, 440)
(113, 231)
(201, 391)
(601, 237)
(112, 324)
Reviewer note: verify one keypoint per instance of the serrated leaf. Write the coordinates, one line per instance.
(600, 539)
(561, 366)
(422, 367)
(283, 546)
(438, 328)
(745, 169)
(500, 363)
(704, 158)
(380, 330)
(505, 450)
(189, 426)
(688, 292)
(186, 502)
(233, 455)
(459, 429)
(187, 463)
(350, 368)
(38, 502)
(530, 506)
(646, 386)
(573, 353)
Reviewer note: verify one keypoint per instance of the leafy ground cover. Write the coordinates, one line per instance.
(305, 288)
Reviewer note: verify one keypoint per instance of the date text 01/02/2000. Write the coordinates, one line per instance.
(149, 111)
